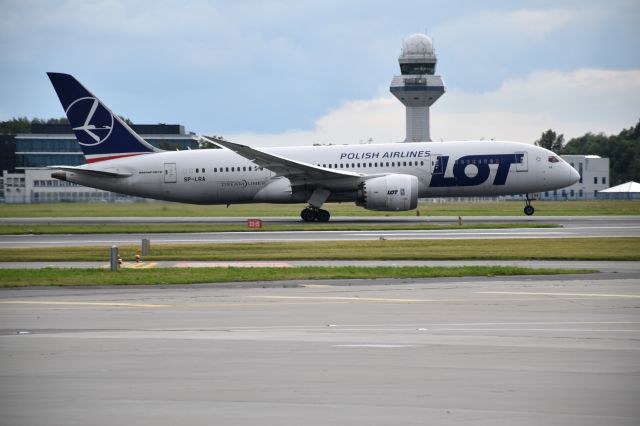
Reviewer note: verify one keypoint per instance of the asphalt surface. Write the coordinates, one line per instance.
(593, 226)
(516, 351)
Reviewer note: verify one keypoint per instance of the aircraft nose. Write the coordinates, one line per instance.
(574, 176)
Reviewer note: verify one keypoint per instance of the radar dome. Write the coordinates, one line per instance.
(417, 44)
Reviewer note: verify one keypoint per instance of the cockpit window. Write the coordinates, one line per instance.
(553, 159)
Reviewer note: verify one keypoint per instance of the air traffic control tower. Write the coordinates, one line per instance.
(417, 87)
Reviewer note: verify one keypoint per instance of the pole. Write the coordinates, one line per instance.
(114, 259)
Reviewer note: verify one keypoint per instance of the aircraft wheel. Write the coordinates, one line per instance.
(529, 210)
(308, 215)
(323, 215)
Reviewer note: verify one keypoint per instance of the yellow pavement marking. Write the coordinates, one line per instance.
(351, 299)
(132, 265)
(69, 303)
(627, 296)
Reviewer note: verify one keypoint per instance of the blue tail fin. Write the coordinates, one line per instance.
(101, 133)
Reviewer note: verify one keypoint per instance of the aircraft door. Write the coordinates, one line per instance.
(522, 161)
(170, 174)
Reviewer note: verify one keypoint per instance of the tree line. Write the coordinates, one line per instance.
(23, 124)
(623, 150)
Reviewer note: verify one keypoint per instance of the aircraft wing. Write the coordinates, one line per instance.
(297, 172)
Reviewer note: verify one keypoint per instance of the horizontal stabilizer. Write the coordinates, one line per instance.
(87, 172)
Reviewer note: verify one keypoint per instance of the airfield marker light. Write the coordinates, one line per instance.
(146, 246)
(460, 221)
(114, 257)
(138, 258)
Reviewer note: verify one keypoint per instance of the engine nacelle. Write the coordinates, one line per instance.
(389, 193)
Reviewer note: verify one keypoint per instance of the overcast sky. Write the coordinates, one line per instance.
(303, 72)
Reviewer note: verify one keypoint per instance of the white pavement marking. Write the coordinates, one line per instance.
(233, 265)
(63, 303)
(527, 293)
(375, 346)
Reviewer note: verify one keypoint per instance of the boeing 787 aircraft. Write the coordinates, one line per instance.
(387, 177)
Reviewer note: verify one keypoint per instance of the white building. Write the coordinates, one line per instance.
(37, 186)
(594, 177)
(624, 191)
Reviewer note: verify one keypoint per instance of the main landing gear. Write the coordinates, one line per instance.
(528, 209)
(311, 214)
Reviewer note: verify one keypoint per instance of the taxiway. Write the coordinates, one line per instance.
(518, 351)
(572, 227)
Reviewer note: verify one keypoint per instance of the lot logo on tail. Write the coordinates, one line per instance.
(96, 122)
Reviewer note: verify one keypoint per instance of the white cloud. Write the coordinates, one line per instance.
(479, 34)
(380, 119)
(572, 103)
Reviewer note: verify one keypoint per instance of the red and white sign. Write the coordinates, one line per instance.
(254, 223)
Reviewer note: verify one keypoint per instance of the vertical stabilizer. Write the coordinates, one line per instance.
(102, 135)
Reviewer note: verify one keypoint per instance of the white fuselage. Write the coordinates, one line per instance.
(443, 169)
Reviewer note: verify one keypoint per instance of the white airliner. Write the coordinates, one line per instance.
(387, 177)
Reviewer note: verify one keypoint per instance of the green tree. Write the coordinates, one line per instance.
(551, 141)
(623, 151)
(15, 125)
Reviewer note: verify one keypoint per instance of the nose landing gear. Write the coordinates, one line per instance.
(528, 209)
(311, 214)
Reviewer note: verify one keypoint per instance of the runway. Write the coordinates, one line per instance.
(517, 351)
(593, 226)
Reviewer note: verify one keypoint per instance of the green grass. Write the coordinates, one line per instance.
(96, 277)
(178, 228)
(621, 248)
(497, 208)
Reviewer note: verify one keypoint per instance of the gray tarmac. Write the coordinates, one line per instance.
(572, 227)
(516, 351)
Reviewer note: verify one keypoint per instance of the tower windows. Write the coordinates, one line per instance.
(408, 69)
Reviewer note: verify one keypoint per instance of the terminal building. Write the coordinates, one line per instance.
(26, 156)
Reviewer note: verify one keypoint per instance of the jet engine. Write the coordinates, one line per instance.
(389, 193)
